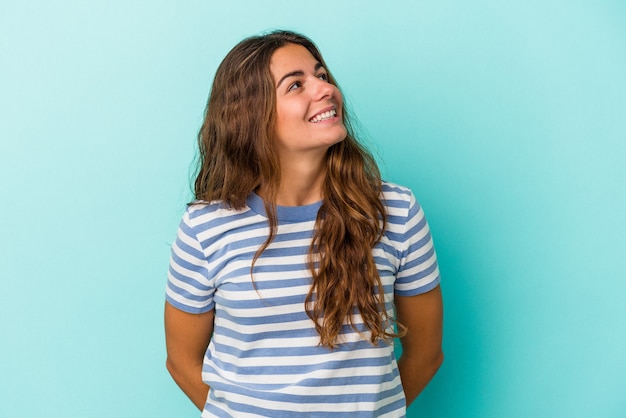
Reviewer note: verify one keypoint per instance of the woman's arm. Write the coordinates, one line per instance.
(421, 347)
(187, 337)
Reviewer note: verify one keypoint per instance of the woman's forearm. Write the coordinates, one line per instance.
(416, 373)
(189, 379)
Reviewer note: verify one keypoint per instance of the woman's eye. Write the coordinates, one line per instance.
(294, 86)
(323, 76)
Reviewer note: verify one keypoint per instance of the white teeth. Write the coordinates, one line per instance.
(323, 116)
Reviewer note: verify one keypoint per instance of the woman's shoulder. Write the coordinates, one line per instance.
(202, 206)
(200, 211)
(396, 192)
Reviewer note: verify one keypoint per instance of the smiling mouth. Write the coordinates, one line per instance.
(323, 116)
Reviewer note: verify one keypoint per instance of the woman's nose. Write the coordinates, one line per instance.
(323, 89)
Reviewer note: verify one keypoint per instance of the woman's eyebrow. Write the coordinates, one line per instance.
(297, 73)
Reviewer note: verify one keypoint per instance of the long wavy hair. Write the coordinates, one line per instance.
(237, 155)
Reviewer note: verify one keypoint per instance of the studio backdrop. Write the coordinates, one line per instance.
(507, 119)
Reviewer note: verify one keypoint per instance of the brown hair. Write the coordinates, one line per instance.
(237, 156)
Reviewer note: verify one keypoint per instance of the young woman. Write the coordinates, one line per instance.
(296, 266)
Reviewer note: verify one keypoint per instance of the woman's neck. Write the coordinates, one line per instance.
(301, 182)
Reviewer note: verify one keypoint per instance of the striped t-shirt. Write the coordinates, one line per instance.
(264, 358)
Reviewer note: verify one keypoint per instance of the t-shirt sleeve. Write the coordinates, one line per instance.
(189, 286)
(418, 271)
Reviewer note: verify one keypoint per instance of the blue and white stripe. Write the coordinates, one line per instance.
(264, 358)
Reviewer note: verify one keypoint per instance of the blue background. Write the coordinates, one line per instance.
(508, 119)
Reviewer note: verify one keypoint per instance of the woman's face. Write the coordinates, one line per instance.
(308, 108)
